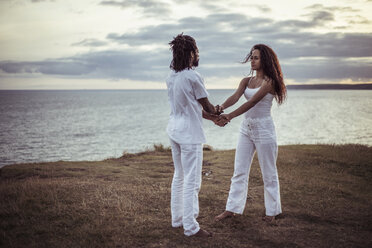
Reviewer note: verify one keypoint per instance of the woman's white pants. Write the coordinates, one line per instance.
(187, 160)
(255, 135)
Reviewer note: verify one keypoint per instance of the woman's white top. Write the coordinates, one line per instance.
(262, 109)
(258, 124)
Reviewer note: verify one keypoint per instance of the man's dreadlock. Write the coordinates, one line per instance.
(182, 46)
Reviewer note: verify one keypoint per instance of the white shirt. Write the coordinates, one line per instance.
(185, 124)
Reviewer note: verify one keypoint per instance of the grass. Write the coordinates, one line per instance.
(125, 202)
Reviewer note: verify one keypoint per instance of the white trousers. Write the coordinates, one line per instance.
(255, 135)
(187, 160)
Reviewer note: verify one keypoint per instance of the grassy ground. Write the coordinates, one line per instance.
(125, 202)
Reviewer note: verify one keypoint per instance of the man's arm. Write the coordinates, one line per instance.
(208, 116)
(207, 106)
(210, 112)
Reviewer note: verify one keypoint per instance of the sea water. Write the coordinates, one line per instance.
(77, 125)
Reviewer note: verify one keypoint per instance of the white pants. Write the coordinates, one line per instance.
(186, 184)
(255, 135)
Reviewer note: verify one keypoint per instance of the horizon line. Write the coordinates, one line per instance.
(289, 86)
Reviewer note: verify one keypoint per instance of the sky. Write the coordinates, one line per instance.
(123, 44)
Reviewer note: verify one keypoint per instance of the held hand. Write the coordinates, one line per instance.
(222, 120)
(219, 109)
(226, 116)
(215, 119)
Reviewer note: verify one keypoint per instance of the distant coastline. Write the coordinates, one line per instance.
(330, 87)
(290, 86)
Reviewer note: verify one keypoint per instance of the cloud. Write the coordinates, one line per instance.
(47, 67)
(357, 19)
(322, 16)
(331, 8)
(227, 34)
(149, 7)
(223, 39)
(126, 64)
(321, 45)
(90, 43)
(210, 5)
(38, 1)
(327, 14)
(327, 68)
(218, 6)
(262, 8)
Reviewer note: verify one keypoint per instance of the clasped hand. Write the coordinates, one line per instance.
(220, 119)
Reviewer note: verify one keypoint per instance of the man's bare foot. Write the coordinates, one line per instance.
(203, 234)
(268, 218)
(224, 215)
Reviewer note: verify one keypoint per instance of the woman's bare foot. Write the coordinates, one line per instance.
(224, 215)
(203, 234)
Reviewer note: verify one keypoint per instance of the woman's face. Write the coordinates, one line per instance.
(256, 60)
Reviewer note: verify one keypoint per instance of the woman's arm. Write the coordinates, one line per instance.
(265, 89)
(237, 94)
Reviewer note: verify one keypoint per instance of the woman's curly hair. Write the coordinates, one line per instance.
(183, 46)
(271, 68)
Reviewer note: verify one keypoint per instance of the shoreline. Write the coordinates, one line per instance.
(160, 147)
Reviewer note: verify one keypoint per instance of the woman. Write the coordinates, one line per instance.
(257, 132)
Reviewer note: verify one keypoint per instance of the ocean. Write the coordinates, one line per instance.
(76, 125)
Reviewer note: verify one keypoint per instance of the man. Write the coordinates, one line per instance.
(187, 98)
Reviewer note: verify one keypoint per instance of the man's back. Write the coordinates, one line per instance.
(185, 122)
